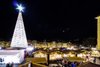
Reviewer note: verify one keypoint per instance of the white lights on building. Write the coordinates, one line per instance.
(12, 56)
(40, 54)
(93, 49)
(95, 54)
(29, 48)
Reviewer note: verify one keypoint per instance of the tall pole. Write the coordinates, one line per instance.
(48, 58)
(98, 32)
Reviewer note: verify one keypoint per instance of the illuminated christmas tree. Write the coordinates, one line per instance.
(19, 36)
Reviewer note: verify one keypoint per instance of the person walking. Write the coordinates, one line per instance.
(7, 65)
(73, 64)
(94, 60)
(65, 63)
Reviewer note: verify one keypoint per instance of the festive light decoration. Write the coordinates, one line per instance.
(19, 37)
(20, 8)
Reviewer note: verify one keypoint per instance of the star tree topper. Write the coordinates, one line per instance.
(20, 7)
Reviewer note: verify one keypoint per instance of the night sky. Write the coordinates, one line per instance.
(51, 19)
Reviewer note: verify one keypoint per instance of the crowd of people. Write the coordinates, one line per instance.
(66, 63)
(9, 65)
(70, 64)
